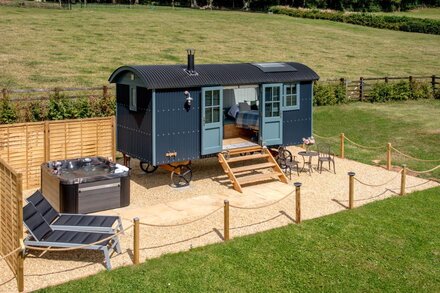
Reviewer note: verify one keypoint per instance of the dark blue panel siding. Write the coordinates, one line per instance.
(298, 123)
(177, 130)
(134, 129)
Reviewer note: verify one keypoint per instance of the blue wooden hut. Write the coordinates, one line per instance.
(168, 114)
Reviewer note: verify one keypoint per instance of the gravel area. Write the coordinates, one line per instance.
(155, 202)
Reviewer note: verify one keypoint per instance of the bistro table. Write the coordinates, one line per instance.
(308, 162)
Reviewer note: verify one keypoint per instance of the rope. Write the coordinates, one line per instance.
(363, 146)
(260, 207)
(377, 185)
(422, 172)
(11, 253)
(325, 137)
(180, 224)
(78, 247)
(417, 159)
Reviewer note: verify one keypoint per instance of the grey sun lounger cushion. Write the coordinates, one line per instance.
(41, 234)
(73, 222)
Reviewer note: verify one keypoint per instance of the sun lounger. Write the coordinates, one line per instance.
(41, 234)
(74, 222)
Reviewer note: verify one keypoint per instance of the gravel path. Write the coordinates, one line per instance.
(154, 201)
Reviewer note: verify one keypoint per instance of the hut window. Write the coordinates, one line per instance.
(133, 99)
(291, 96)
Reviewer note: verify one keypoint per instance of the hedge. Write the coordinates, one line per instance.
(399, 23)
(57, 107)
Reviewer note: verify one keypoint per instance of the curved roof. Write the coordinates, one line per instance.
(175, 76)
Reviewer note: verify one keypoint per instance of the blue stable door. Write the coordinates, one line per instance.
(271, 115)
(212, 120)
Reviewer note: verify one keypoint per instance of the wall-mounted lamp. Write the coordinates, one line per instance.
(188, 98)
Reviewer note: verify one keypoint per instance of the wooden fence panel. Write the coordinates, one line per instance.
(11, 219)
(25, 146)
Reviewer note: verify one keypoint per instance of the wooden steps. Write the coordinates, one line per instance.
(257, 164)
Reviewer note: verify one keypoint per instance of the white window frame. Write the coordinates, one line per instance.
(132, 103)
(297, 106)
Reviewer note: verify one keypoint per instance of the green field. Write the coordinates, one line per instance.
(47, 47)
(412, 127)
(387, 246)
(433, 13)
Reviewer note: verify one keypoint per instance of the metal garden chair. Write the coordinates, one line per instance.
(287, 162)
(325, 155)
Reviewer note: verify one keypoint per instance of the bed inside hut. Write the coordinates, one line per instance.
(241, 116)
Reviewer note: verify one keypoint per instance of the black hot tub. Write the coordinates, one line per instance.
(85, 185)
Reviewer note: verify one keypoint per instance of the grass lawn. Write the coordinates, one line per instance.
(391, 245)
(433, 13)
(48, 47)
(413, 127)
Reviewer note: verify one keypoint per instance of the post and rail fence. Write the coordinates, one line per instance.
(360, 89)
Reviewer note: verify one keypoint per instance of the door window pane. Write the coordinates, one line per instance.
(208, 115)
(276, 93)
(268, 110)
(216, 98)
(268, 94)
(216, 114)
(208, 98)
(275, 110)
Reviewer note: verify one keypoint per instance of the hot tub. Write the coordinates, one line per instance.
(85, 185)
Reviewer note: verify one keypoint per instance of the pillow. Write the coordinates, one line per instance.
(244, 107)
(233, 111)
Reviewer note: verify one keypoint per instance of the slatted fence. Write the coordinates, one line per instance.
(11, 221)
(25, 146)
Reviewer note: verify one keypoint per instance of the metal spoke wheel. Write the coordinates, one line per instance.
(147, 167)
(181, 176)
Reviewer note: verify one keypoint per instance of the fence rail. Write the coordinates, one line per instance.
(37, 94)
(25, 146)
(360, 89)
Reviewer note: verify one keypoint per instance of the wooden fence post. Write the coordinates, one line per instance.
(411, 80)
(136, 241)
(297, 202)
(20, 260)
(433, 82)
(5, 93)
(351, 189)
(361, 88)
(105, 91)
(342, 146)
(389, 156)
(403, 180)
(226, 221)
(386, 79)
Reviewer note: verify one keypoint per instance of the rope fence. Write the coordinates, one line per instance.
(11, 253)
(389, 149)
(378, 185)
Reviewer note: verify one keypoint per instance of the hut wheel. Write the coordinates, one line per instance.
(181, 176)
(147, 167)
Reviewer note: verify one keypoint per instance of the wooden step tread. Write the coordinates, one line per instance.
(258, 177)
(252, 167)
(245, 150)
(248, 157)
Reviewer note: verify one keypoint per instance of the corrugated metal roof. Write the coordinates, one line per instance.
(175, 76)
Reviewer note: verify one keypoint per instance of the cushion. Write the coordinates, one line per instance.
(244, 107)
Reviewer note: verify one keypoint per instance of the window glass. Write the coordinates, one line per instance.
(208, 115)
(133, 99)
(216, 97)
(291, 97)
(268, 110)
(268, 94)
(216, 114)
(208, 98)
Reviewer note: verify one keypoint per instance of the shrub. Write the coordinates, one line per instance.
(402, 23)
(8, 111)
(421, 90)
(60, 107)
(329, 94)
(381, 92)
(35, 111)
(401, 91)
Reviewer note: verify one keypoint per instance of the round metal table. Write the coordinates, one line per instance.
(308, 162)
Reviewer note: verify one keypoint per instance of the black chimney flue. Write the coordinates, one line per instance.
(190, 66)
